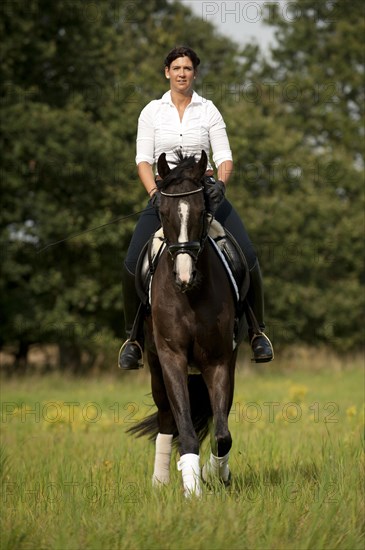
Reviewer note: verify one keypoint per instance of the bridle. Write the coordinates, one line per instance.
(193, 248)
(181, 194)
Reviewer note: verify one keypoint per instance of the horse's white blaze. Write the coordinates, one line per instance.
(184, 262)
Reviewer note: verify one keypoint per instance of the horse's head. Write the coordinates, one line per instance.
(183, 214)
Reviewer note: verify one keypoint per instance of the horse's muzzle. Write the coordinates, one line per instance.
(185, 256)
(184, 271)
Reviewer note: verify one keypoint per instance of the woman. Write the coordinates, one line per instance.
(183, 120)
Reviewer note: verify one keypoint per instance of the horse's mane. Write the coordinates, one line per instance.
(183, 164)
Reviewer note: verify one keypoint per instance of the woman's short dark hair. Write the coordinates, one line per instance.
(182, 51)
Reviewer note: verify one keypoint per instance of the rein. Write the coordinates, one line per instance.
(74, 235)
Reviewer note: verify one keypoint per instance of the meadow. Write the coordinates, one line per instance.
(72, 478)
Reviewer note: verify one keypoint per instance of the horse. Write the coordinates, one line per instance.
(189, 328)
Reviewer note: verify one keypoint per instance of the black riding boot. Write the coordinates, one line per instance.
(261, 346)
(131, 352)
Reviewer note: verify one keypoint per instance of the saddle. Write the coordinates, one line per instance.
(228, 251)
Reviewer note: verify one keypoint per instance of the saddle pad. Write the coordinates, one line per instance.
(222, 242)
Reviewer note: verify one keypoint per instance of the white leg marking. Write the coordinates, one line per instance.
(184, 262)
(216, 467)
(189, 466)
(161, 472)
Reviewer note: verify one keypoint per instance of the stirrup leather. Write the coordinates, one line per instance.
(136, 343)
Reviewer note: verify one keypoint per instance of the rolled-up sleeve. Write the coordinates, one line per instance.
(218, 137)
(145, 146)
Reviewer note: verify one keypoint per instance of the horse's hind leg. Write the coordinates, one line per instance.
(166, 425)
(220, 385)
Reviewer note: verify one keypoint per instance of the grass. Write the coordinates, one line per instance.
(72, 478)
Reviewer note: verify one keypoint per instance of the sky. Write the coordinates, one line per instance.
(242, 21)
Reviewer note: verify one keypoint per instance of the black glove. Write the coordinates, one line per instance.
(214, 193)
(155, 201)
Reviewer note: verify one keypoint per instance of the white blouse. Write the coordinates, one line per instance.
(202, 127)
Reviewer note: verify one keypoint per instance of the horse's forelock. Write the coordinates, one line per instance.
(183, 164)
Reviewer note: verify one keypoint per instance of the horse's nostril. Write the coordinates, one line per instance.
(181, 284)
(184, 286)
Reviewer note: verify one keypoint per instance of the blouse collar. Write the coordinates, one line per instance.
(166, 98)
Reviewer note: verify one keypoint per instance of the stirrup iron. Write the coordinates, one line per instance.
(136, 343)
(260, 334)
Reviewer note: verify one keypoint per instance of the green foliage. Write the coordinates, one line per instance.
(299, 144)
(75, 76)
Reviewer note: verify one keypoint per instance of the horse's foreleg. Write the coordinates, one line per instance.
(175, 378)
(216, 467)
(220, 387)
(189, 466)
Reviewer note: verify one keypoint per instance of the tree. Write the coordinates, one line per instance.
(75, 77)
(300, 154)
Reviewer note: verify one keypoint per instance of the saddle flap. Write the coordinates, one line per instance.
(233, 258)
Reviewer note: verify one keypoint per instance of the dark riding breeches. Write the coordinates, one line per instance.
(149, 222)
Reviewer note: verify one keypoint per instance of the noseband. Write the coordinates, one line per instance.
(193, 248)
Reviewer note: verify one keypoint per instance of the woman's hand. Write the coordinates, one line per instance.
(214, 193)
(155, 200)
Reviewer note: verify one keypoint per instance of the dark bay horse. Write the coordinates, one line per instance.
(191, 325)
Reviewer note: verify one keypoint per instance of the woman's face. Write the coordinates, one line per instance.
(181, 74)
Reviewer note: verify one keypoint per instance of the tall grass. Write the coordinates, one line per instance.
(72, 478)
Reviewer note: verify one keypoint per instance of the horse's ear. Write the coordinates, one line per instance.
(202, 164)
(162, 167)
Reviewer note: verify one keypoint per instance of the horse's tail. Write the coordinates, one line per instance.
(201, 413)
